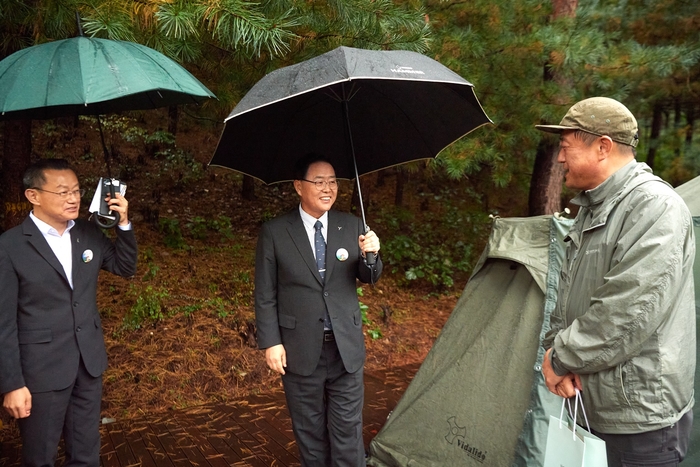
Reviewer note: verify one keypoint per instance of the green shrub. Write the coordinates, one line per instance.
(148, 308)
(432, 251)
(374, 333)
(197, 228)
(172, 234)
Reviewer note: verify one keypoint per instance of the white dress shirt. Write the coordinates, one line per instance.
(60, 244)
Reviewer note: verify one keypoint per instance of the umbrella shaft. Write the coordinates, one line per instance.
(354, 162)
(371, 258)
(104, 149)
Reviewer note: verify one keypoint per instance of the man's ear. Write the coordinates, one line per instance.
(31, 195)
(605, 145)
(297, 186)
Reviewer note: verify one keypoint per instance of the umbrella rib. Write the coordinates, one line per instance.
(282, 99)
(51, 70)
(167, 73)
(344, 80)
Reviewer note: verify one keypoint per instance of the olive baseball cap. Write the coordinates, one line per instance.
(600, 116)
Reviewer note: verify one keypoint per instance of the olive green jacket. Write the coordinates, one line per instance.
(625, 314)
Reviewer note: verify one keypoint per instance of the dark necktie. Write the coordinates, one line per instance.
(320, 247)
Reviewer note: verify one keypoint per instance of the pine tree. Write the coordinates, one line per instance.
(530, 65)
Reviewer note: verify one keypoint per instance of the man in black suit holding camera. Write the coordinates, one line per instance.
(53, 352)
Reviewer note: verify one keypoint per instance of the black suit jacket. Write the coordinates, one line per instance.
(291, 298)
(45, 326)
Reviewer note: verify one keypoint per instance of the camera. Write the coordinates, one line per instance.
(99, 206)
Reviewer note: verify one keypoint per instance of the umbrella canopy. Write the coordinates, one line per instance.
(373, 108)
(90, 76)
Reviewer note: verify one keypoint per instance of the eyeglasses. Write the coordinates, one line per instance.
(65, 194)
(321, 184)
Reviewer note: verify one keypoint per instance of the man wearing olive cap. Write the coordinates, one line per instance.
(623, 330)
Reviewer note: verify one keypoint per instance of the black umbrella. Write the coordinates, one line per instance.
(365, 110)
(90, 76)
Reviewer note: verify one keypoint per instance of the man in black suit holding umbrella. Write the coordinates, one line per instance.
(308, 316)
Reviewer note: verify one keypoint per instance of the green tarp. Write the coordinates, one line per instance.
(478, 398)
(690, 192)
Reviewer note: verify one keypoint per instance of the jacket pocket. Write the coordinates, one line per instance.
(35, 336)
(286, 321)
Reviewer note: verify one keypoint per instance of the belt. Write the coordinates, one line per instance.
(328, 336)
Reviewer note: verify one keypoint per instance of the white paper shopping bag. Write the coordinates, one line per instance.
(569, 445)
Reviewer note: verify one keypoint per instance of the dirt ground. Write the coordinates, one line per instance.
(194, 338)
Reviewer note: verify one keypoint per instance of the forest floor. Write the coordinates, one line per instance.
(181, 332)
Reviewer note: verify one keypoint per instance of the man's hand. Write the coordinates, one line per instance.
(562, 386)
(276, 358)
(551, 379)
(567, 387)
(120, 205)
(369, 243)
(18, 403)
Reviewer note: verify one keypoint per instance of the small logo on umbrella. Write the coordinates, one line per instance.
(407, 69)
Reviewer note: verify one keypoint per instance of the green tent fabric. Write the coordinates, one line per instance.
(690, 192)
(478, 398)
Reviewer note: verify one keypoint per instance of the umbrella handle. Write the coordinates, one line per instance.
(107, 225)
(370, 258)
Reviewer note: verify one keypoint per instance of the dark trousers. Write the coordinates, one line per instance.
(660, 448)
(73, 412)
(326, 412)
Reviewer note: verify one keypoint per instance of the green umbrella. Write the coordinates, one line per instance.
(90, 76)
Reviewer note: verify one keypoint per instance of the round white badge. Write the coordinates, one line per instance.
(87, 256)
(341, 254)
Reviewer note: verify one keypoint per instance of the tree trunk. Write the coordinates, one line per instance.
(656, 122)
(382, 176)
(547, 174)
(16, 157)
(248, 188)
(690, 117)
(564, 8)
(546, 182)
(173, 116)
(400, 182)
(677, 123)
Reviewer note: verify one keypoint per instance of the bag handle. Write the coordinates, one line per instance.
(578, 401)
(579, 398)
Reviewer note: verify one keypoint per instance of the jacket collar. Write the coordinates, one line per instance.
(600, 201)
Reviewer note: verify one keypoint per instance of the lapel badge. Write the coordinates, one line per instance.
(87, 256)
(341, 254)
